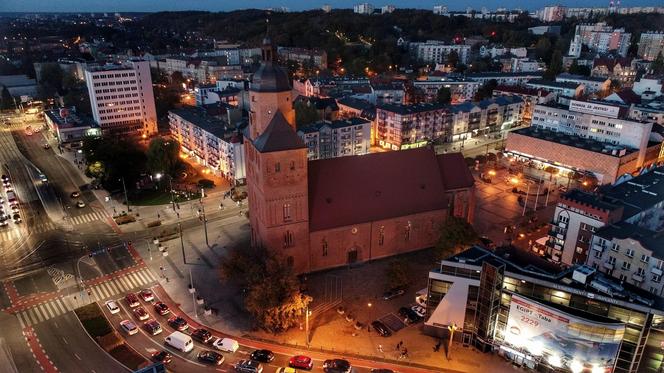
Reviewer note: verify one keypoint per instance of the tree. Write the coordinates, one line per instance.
(163, 157)
(452, 59)
(543, 48)
(305, 113)
(577, 69)
(455, 234)
(555, 66)
(118, 158)
(6, 99)
(444, 95)
(273, 296)
(486, 90)
(397, 275)
(657, 66)
(51, 80)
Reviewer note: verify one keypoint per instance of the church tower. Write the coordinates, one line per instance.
(276, 162)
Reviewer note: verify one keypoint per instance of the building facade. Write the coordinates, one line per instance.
(316, 57)
(337, 138)
(619, 69)
(530, 97)
(122, 98)
(209, 142)
(461, 89)
(435, 51)
(600, 38)
(651, 44)
(591, 84)
(363, 8)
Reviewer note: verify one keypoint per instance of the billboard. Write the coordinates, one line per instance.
(561, 339)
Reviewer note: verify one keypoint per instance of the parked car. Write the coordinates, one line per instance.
(141, 313)
(178, 323)
(80, 204)
(286, 370)
(146, 295)
(226, 344)
(152, 327)
(419, 310)
(336, 366)
(301, 362)
(210, 357)
(201, 335)
(128, 327)
(381, 329)
(248, 366)
(162, 357)
(161, 308)
(265, 356)
(75, 194)
(410, 315)
(46, 146)
(391, 294)
(112, 307)
(381, 370)
(132, 300)
(17, 218)
(180, 341)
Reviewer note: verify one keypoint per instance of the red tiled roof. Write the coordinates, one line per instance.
(358, 189)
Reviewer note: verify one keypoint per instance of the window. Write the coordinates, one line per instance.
(324, 247)
(612, 260)
(288, 239)
(623, 277)
(381, 235)
(407, 231)
(598, 254)
(292, 165)
(277, 167)
(640, 271)
(615, 247)
(630, 253)
(626, 266)
(656, 278)
(653, 290)
(287, 212)
(645, 258)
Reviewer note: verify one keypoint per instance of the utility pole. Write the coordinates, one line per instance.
(124, 187)
(204, 219)
(525, 202)
(170, 181)
(306, 323)
(193, 297)
(184, 258)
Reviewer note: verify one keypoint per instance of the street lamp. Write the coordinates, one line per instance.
(452, 328)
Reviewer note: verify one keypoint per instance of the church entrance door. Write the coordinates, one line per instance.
(352, 256)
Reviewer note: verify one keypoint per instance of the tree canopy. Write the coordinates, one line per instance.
(163, 157)
(111, 159)
(444, 95)
(455, 235)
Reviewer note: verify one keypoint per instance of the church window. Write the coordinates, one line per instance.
(292, 165)
(289, 239)
(290, 261)
(324, 247)
(277, 167)
(381, 235)
(287, 212)
(407, 231)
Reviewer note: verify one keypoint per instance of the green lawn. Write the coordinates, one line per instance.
(158, 197)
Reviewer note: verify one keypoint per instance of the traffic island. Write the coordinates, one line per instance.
(97, 326)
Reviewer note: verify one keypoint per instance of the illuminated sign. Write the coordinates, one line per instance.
(561, 339)
(594, 108)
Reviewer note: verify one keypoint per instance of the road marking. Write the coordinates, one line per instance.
(65, 341)
(51, 307)
(114, 288)
(144, 279)
(20, 319)
(45, 312)
(124, 283)
(39, 314)
(96, 292)
(64, 305)
(78, 357)
(134, 280)
(33, 316)
(105, 290)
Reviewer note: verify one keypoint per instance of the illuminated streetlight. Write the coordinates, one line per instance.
(492, 173)
(514, 180)
(576, 366)
(452, 328)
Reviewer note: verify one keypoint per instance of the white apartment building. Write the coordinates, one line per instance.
(650, 45)
(513, 78)
(209, 142)
(435, 51)
(387, 9)
(338, 138)
(591, 84)
(554, 13)
(600, 38)
(597, 121)
(563, 90)
(462, 89)
(122, 99)
(441, 10)
(364, 8)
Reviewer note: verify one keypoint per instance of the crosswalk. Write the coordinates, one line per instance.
(12, 233)
(112, 288)
(132, 281)
(86, 218)
(42, 312)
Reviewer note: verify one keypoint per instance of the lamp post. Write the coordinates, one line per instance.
(307, 313)
(149, 250)
(204, 218)
(452, 328)
(525, 202)
(184, 258)
(193, 292)
(124, 187)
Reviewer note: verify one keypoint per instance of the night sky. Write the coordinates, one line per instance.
(218, 5)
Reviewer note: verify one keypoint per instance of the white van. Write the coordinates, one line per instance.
(226, 344)
(180, 341)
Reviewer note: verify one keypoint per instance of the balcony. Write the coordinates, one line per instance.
(637, 277)
(656, 271)
(607, 265)
(599, 247)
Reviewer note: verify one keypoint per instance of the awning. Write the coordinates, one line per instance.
(452, 308)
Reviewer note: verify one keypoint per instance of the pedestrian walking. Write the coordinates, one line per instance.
(398, 346)
(380, 348)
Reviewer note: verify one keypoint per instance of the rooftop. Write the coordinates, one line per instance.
(199, 118)
(411, 109)
(568, 76)
(67, 118)
(503, 75)
(278, 136)
(517, 89)
(547, 83)
(574, 141)
(653, 241)
(350, 122)
(526, 265)
(358, 189)
(639, 193)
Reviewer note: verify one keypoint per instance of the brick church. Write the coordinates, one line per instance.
(334, 212)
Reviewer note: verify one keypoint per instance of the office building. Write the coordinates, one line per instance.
(554, 13)
(67, 126)
(440, 10)
(122, 98)
(544, 317)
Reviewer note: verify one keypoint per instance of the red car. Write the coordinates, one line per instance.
(178, 323)
(141, 313)
(146, 295)
(301, 362)
(132, 300)
(161, 308)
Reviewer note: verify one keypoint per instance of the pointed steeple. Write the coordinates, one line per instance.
(268, 51)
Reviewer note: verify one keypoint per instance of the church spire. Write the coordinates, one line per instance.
(268, 50)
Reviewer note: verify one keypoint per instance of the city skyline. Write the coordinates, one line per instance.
(293, 5)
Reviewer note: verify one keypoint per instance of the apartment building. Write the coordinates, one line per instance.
(591, 84)
(363, 8)
(530, 97)
(317, 57)
(210, 142)
(512, 78)
(600, 38)
(436, 51)
(651, 44)
(461, 89)
(122, 98)
(564, 91)
(622, 70)
(337, 138)
(400, 127)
